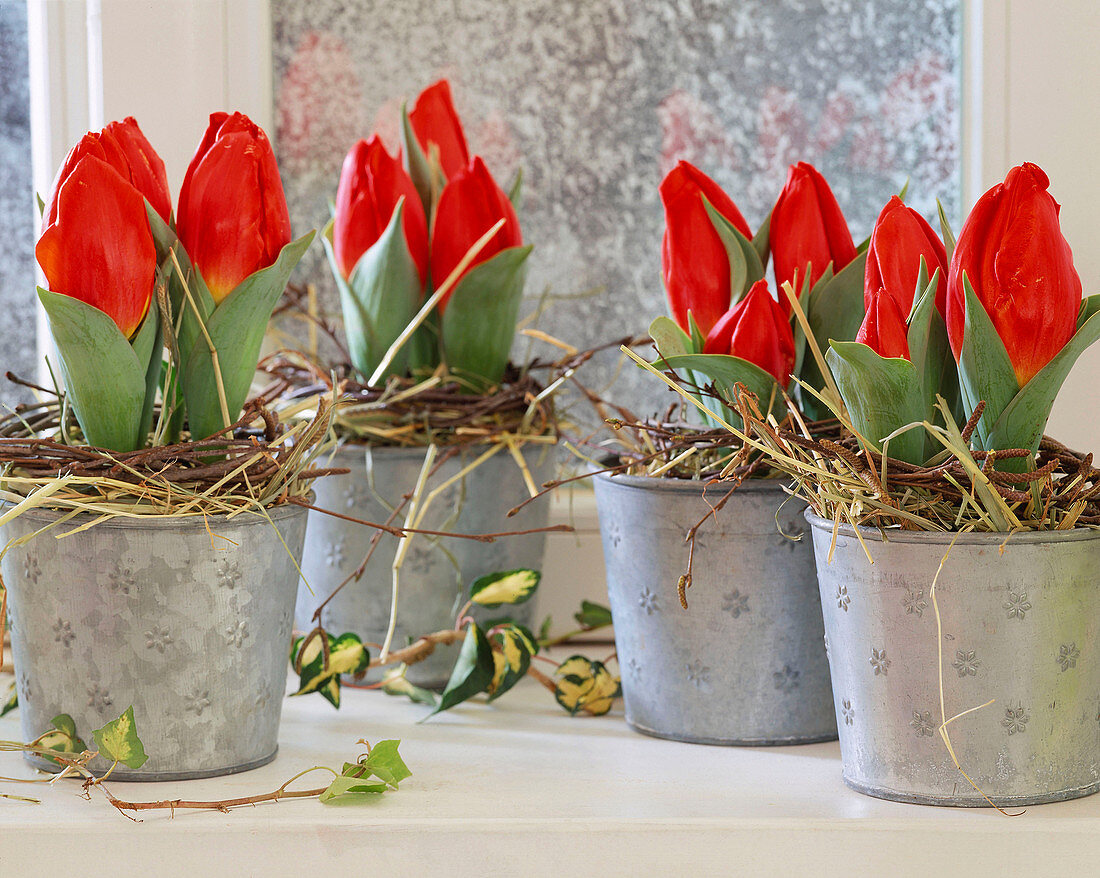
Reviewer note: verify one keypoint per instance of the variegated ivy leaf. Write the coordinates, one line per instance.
(11, 702)
(396, 683)
(62, 737)
(346, 655)
(509, 587)
(513, 645)
(585, 685)
(118, 741)
(381, 770)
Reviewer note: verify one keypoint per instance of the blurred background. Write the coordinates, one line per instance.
(595, 101)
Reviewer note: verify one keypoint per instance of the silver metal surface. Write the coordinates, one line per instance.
(745, 663)
(437, 571)
(188, 620)
(1018, 626)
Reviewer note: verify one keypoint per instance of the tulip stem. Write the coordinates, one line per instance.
(433, 300)
(226, 422)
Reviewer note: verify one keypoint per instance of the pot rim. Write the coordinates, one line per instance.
(683, 486)
(945, 538)
(245, 518)
(357, 450)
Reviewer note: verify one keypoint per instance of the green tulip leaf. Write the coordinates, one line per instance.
(479, 323)
(985, 371)
(512, 587)
(725, 371)
(927, 338)
(698, 339)
(1024, 419)
(236, 329)
(380, 298)
(416, 163)
(746, 267)
(90, 345)
(670, 339)
(513, 646)
(761, 240)
(882, 394)
(118, 741)
(472, 673)
(945, 228)
(164, 236)
(515, 190)
(1089, 306)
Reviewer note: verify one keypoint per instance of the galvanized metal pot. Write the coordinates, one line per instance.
(188, 620)
(1018, 626)
(745, 663)
(437, 571)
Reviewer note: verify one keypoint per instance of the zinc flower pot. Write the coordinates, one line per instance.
(745, 662)
(188, 620)
(1015, 643)
(437, 571)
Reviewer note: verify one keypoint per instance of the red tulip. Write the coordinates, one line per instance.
(232, 216)
(434, 121)
(883, 329)
(694, 259)
(371, 183)
(807, 228)
(900, 238)
(98, 247)
(756, 329)
(470, 205)
(1021, 268)
(122, 146)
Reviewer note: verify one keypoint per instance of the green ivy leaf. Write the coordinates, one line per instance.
(396, 683)
(62, 738)
(479, 323)
(355, 784)
(510, 587)
(89, 344)
(12, 701)
(380, 298)
(118, 741)
(236, 327)
(585, 685)
(544, 629)
(472, 673)
(593, 615)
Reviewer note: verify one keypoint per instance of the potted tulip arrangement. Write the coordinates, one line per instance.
(151, 519)
(961, 659)
(439, 431)
(742, 662)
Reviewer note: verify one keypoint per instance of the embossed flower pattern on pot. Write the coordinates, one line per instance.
(120, 579)
(99, 699)
(236, 635)
(736, 603)
(914, 602)
(922, 723)
(786, 679)
(1068, 654)
(635, 669)
(420, 559)
(229, 574)
(335, 554)
(648, 602)
(198, 701)
(31, 570)
(1017, 604)
(1015, 720)
(23, 686)
(880, 662)
(966, 663)
(614, 535)
(157, 638)
(842, 599)
(847, 711)
(698, 674)
(63, 632)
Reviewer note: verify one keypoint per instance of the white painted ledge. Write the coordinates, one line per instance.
(521, 788)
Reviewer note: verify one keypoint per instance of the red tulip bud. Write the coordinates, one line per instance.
(371, 183)
(694, 259)
(756, 329)
(883, 329)
(1021, 268)
(98, 247)
(232, 216)
(900, 238)
(807, 228)
(470, 205)
(122, 146)
(434, 121)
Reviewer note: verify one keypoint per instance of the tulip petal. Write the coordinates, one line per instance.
(434, 120)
